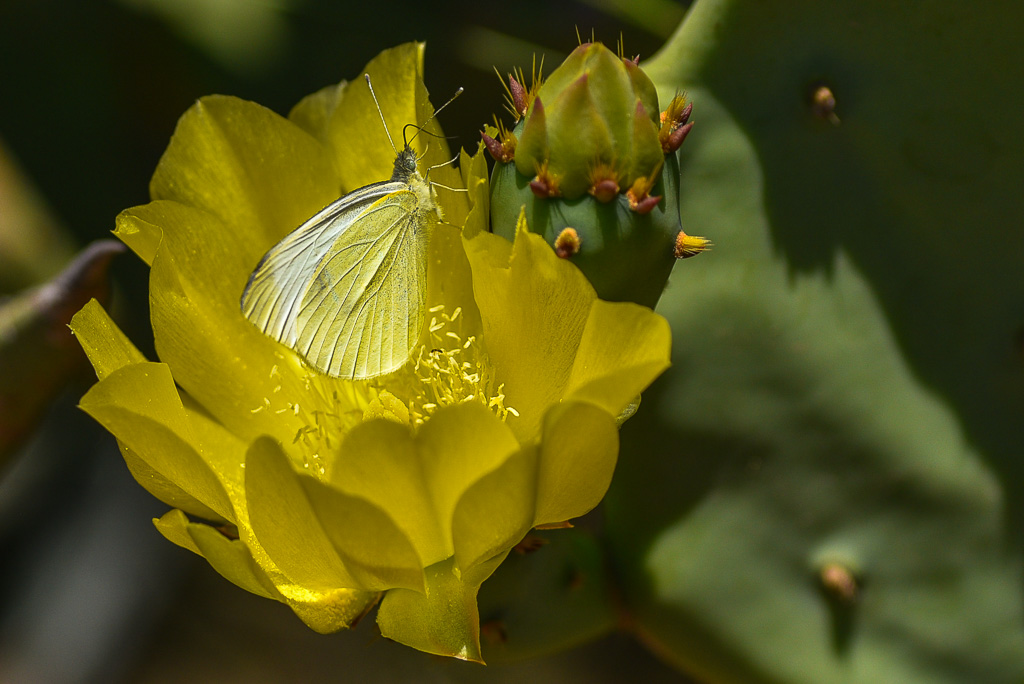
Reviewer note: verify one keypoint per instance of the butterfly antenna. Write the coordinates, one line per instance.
(374, 96)
(426, 132)
(436, 112)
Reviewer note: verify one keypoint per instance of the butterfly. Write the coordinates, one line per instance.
(347, 288)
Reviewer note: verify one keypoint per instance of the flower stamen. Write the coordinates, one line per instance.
(448, 369)
(324, 413)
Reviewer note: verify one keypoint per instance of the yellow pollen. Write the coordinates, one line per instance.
(321, 410)
(448, 369)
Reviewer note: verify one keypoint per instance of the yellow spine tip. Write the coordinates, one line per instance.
(690, 245)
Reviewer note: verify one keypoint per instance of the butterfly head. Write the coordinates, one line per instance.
(405, 165)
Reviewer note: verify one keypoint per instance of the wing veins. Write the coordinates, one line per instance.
(357, 278)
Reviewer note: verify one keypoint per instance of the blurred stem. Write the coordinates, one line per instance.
(33, 244)
(38, 354)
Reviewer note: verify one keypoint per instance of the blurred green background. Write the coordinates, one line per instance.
(89, 94)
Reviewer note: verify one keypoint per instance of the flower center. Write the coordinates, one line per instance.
(450, 369)
(325, 428)
(325, 412)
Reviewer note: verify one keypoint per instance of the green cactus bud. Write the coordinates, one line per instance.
(593, 155)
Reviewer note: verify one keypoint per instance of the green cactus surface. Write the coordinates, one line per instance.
(827, 485)
(626, 257)
(550, 594)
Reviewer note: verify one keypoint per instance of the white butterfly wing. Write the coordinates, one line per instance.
(347, 289)
(363, 313)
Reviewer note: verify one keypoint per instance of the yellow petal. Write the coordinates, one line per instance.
(534, 311)
(497, 511)
(157, 484)
(313, 113)
(109, 350)
(327, 612)
(623, 349)
(257, 172)
(419, 480)
(578, 454)
(324, 612)
(232, 560)
(377, 554)
(458, 446)
(222, 451)
(195, 285)
(550, 338)
(346, 119)
(156, 428)
(379, 462)
(450, 280)
(444, 621)
(173, 526)
(363, 152)
(474, 179)
(357, 137)
(141, 236)
(285, 523)
(229, 557)
(106, 346)
(487, 252)
(220, 271)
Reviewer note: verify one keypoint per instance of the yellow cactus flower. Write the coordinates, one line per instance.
(330, 494)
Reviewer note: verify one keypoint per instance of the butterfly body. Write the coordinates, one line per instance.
(347, 288)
